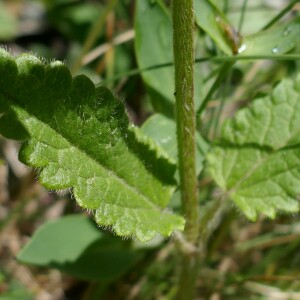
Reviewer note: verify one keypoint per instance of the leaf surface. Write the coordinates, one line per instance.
(257, 162)
(277, 40)
(216, 25)
(166, 138)
(80, 137)
(88, 254)
(154, 46)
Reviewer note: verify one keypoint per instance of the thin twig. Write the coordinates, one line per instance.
(93, 34)
(100, 50)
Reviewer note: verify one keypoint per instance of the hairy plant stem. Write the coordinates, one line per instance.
(183, 32)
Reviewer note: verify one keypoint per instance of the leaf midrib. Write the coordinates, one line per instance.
(118, 178)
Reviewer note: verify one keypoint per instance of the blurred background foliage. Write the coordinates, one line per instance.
(108, 41)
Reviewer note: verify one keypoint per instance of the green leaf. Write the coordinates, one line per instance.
(73, 245)
(60, 241)
(215, 24)
(277, 40)
(257, 14)
(80, 137)
(166, 138)
(153, 46)
(103, 260)
(257, 162)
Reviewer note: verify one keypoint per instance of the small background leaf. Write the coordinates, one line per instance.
(278, 40)
(153, 46)
(75, 246)
(256, 15)
(166, 138)
(212, 21)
